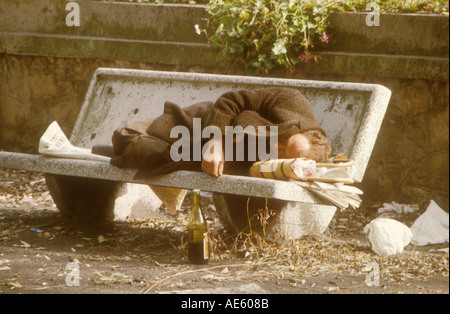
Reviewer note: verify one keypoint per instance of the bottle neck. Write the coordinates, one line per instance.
(196, 200)
(196, 213)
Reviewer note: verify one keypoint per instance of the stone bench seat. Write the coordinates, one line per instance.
(226, 184)
(351, 113)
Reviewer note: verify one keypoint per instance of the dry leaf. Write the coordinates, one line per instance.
(101, 239)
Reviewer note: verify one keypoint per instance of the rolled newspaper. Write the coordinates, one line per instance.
(302, 169)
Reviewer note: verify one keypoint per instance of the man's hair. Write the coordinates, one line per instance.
(320, 147)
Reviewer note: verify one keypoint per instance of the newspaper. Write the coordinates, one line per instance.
(55, 143)
(303, 169)
(339, 194)
(328, 180)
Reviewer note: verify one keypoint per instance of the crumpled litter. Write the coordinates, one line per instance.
(432, 227)
(398, 208)
(387, 236)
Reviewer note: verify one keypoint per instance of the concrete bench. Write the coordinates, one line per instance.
(351, 113)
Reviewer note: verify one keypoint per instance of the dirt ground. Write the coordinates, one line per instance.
(41, 253)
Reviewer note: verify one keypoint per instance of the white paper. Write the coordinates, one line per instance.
(387, 236)
(339, 194)
(306, 169)
(55, 143)
(339, 187)
(431, 227)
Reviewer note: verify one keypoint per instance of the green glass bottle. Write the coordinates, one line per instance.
(198, 245)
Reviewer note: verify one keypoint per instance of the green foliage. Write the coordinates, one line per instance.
(259, 35)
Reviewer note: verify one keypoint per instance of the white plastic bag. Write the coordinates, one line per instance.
(431, 227)
(387, 236)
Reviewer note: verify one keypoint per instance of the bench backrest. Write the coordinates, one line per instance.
(351, 113)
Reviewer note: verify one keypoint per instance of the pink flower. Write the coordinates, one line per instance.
(324, 38)
(306, 57)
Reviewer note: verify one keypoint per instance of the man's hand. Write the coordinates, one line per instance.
(213, 158)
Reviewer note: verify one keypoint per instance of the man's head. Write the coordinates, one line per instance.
(311, 144)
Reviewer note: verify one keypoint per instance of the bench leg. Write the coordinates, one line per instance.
(291, 221)
(295, 220)
(97, 200)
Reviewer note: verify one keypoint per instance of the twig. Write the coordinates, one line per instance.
(164, 280)
(8, 233)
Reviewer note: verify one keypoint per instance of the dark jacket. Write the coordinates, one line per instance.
(146, 145)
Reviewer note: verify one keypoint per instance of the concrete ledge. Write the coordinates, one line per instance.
(398, 34)
(112, 31)
(121, 20)
(403, 46)
(381, 65)
(89, 47)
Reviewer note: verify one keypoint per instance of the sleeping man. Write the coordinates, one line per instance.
(223, 137)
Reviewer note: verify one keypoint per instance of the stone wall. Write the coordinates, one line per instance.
(36, 90)
(410, 162)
